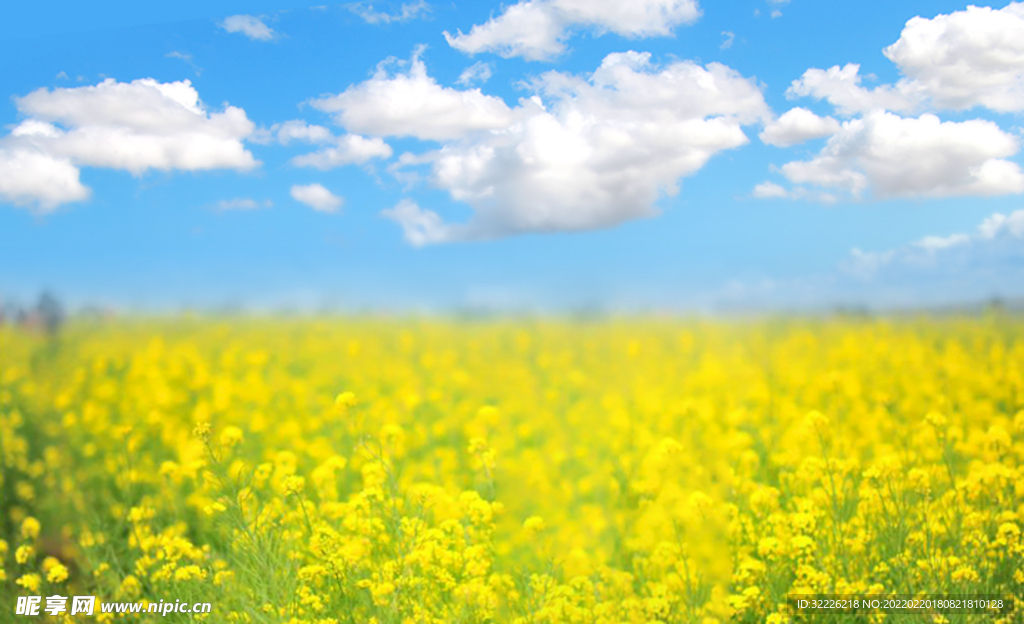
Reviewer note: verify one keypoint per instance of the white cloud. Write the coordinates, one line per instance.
(413, 104)
(937, 243)
(31, 178)
(841, 86)
(958, 61)
(298, 130)
(423, 227)
(316, 197)
(537, 29)
(796, 126)
(527, 29)
(36, 128)
(895, 156)
(730, 37)
(408, 11)
(967, 58)
(583, 152)
(134, 126)
(770, 190)
(477, 72)
(350, 149)
(243, 203)
(249, 25)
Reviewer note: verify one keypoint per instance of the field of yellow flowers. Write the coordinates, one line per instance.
(334, 471)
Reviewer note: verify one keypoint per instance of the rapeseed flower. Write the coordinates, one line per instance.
(30, 528)
(511, 472)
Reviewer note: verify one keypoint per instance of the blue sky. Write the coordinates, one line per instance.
(554, 154)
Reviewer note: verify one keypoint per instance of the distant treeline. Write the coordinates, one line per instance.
(47, 315)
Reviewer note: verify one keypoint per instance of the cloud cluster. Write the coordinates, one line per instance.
(412, 104)
(968, 58)
(132, 126)
(582, 153)
(918, 157)
(537, 29)
(959, 61)
(842, 88)
(895, 145)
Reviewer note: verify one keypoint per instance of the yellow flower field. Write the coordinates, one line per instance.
(332, 471)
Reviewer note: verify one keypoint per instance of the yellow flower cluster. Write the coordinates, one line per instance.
(327, 471)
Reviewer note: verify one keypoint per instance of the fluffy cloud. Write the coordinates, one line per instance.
(958, 61)
(31, 178)
(537, 29)
(967, 58)
(134, 126)
(350, 149)
(413, 104)
(250, 26)
(316, 197)
(583, 152)
(796, 126)
(770, 190)
(895, 156)
(841, 87)
(528, 29)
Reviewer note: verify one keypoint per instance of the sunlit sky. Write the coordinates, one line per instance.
(545, 155)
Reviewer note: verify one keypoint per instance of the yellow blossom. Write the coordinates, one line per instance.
(30, 528)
